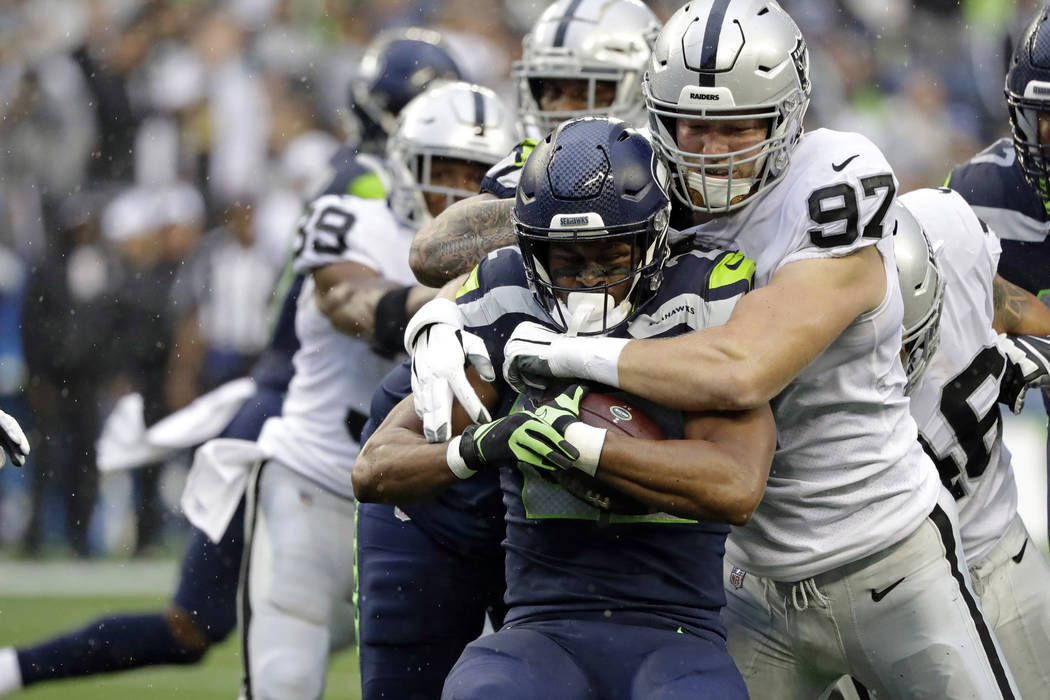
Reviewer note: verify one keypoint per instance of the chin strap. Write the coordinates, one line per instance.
(718, 193)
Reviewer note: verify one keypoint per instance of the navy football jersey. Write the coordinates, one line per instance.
(565, 557)
(993, 184)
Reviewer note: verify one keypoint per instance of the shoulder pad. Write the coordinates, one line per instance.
(502, 178)
(324, 235)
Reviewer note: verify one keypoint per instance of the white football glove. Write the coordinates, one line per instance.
(440, 350)
(1028, 365)
(535, 354)
(13, 440)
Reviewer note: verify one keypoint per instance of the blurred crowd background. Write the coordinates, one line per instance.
(154, 156)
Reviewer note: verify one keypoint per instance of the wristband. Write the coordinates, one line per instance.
(438, 310)
(391, 319)
(455, 461)
(589, 441)
(599, 363)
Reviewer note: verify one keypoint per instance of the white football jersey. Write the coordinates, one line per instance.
(955, 402)
(335, 374)
(849, 477)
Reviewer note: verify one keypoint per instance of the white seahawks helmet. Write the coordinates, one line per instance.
(922, 287)
(454, 120)
(726, 60)
(592, 40)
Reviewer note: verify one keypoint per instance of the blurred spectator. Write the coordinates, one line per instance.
(221, 297)
(68, 336)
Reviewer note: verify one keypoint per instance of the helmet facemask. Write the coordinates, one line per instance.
(530, 78)
(922, 293)
(706, 182)
(1032, 155)
(593, 310)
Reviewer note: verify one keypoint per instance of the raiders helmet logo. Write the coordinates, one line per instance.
(800, 57)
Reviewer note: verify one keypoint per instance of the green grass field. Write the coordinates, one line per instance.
(27, 619)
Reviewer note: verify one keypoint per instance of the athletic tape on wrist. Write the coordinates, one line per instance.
(589, 441)
(455, 462)
(596, 359)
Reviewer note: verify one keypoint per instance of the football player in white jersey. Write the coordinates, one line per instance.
(298, 571)
(853, 559)
(581, 57)
(954, 370)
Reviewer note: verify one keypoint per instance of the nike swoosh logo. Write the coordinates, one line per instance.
(1020, 555)
(838, 168)
(879, 595)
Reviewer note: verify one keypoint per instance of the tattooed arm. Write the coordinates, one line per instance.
(452, 243)
(1018, 312)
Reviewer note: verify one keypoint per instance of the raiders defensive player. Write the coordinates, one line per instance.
(297, 582)
(853, 505)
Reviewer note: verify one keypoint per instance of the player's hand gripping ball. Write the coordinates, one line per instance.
(615, 414)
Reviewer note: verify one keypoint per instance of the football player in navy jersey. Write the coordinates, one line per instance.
(1007, 184)
(203, 611)
(601, 604)
(441, 559)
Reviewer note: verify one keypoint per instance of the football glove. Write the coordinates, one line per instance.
(440, 350)
(13, 440)
(563, 414)
(1027, 365)
(534, 354)
(519, 437)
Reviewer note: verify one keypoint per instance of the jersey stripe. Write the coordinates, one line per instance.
(944, 528)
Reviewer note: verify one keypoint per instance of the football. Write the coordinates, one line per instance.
(616, 415)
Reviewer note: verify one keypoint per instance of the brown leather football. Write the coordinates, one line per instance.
(617, 415)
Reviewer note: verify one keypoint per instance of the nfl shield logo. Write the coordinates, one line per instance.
(736, 577)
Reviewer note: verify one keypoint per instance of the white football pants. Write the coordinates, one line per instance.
(296, 586)
(904, 621)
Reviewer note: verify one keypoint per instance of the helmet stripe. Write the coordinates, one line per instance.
(563, 25)
(479, 114)
(712, 32)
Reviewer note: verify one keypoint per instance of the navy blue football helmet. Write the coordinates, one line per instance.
(1028, 94)
(593, 180)
(396, 66)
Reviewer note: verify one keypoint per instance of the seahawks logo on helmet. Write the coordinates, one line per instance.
(800, 57)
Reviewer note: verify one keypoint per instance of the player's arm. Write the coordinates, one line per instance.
(1017, 311)
(398, 466)
(453, 242)
(772, 334)
(717, 473)
(359, 302)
